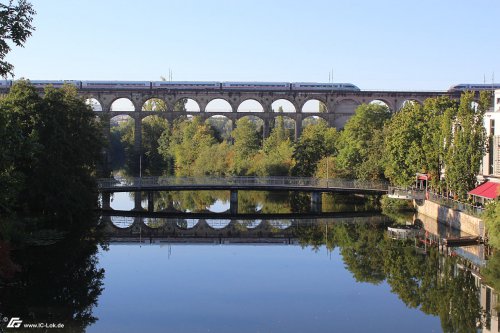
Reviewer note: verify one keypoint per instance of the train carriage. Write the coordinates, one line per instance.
(179, 85)
(53, 83)
(274, 86)
(128, 85)
(474, 86)
(309, 86)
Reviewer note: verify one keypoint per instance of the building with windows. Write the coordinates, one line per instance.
(491, 161)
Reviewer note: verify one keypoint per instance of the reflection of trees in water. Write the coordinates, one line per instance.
(262, 201)
(59, 283)
(339, 202)
(492, 270)
(360, 248)
(428, 281)
(193, 201)
(258, 201)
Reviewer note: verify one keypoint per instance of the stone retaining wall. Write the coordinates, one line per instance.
(453, 218)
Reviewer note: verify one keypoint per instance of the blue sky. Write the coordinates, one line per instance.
(425, 44)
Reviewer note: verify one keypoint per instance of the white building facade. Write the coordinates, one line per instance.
(491, 161)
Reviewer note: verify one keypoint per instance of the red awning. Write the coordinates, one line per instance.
(487, 190)
(423, 176)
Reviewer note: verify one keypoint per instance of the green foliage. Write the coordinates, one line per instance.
(361, 250)
(278, 135)
(52, 151)
(221, 126)
(154, 104)
(491, 218)
(214, 160)
(436, 136)
(20, 115)
(441, 134)
(180, 105)
(403, 151)
(121, 146)
(188, 140)
(327, 168)
(15, 23)
(275, 158)
(433, 283)
(360, 144)
(395, 205)
(153, 163)
(246, 145)
(63, 280)
(464, 155)
(317, 141)
(492, 270)
(322, 108)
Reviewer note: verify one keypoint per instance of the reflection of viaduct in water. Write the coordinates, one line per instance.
(244, 229)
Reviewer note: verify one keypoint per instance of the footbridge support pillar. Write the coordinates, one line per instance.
(106, 200)
(316, 202)
(233, 202)
(138, 201)
(151, 202)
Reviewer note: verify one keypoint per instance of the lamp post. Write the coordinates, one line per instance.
(327, 175)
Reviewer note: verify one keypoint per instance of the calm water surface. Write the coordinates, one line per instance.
(244, 288)
(212, 275)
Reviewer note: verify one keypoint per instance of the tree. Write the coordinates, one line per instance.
(19, 115)
(121, 145)
(316, 142)
(361, 142)
(403, 152)
(322, 108)
(436, 136)
(15, 25)
(153, 127)
(467, 147)
(65, 276)
(491, 217)
(180, 105)
(155, 104)
(188, 139)
(72, 141)
(417, 139)
(52, 153)
(246, 144)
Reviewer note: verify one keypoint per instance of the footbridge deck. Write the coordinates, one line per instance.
(306, 184)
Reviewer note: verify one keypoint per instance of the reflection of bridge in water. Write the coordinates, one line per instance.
(315, 186)
(192, 228)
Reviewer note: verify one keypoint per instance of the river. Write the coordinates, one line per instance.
(342, 274)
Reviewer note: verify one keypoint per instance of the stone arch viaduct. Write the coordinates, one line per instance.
(339, 105)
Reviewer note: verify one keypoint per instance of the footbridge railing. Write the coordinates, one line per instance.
(306, 183)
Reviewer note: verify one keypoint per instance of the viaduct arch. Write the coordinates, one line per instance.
(339, 106)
